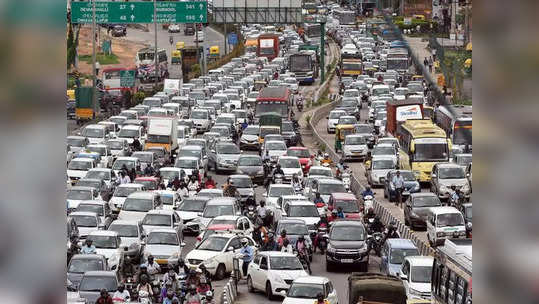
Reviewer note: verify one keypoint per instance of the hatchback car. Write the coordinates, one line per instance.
(251, 165)
(224, 156)
(131, 237)
(354, 147)
(326, 187)
(347, 202)
(416, 274)
(107, 243)
(393, 253)
(189, 209)
(411, 185)
(81, 263)
(218, 206)
(244, 186)
(305, 289)
(445, 175)
(333, 119)
(122, 192)
(137, 204)
(378, 168)
(291, 166)
(93, 281)
(165, 245)
(157, 219)
(304, 210)
(303, 155)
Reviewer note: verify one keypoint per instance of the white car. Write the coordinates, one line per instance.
(122, 192)
(216, 207)
(320, 171)
(78, 167)
(292, 84)
(174, 28)
(137, 204)
(77, 194)
(216, 253)
(189, 210)
(105, 174)
(107, 243)
(354, 147)
(170, 199)
(273, 149)
(385, 150)
(273, 272)
(304, 290)
(201, 118)
(290, 166)
(302, 210)
(156, 219)
(416, 274)
(129, 162)
(104, 153)
(131, 236)
(165, 245)
(96, 134)
(168, 174)
(378, 168)
(129, 132)
(277, 190)
(87, 222)
(231, 223)
(188, 164)
(333, 119)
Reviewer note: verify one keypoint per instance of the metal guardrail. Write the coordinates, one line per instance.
(357, 187)
(230, 292)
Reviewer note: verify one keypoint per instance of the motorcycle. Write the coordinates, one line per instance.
(130, 286)
(303, 259)
(345, 177)
(250, 213)
(375, 242)
(278, 178)
(321, 239)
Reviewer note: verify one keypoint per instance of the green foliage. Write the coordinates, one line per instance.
(465, 102)
(139, 97)
(308, 118)
(322, 147)
(101, 58)
(71, 47)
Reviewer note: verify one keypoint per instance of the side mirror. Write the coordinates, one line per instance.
(182, 244)
(467, 174)
(433, 175)
(403, 276)
(230, 248)
(282, 293)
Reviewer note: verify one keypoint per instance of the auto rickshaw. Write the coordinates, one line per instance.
(176, 57)
(417, 78)
(70, 94)
(180, 45)
(340, 133)
(214, 52)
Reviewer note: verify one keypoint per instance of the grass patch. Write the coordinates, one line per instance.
(308, 118)
(464, 102)
(101, 58)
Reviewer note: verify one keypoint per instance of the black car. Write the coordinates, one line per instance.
(289, 134)
(119, 31)
(466, 210)
(189, 29)
(347, 245)
(416, 208)
(70, 109)
(411, 185)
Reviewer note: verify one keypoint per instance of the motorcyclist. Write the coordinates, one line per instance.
(144, 285)
(182, 190)
(301, 248)
(271, 244)
(454, 196)
(203, 287)
(205, 274)
(323, 223)
(209, 297)
(193, 278)
(296, 183)
(153, 267)
(340, 168)
(333, 216)
(230, 190)
(247, 252)
(73, 248)
(127, 269)
(171, 277)
(367, 191)
(391, 232)
(169, 297)
(210, 183)
(318, 199)
(320, 299)
(168, 288)
(136, 144)
(121, 294)
(370, 214)
(340, 212)
(104, 297)
(250, 201)
(377, 225)
(278, 170)
(281, 238)
(193, 184)
(326, 160)
(175, 183)
(182, 268)
(192, 297)
(143, 271)
(262, 210)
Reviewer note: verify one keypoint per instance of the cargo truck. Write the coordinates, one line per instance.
(162, 132)
(84, 109)
(398, 111)
(268, 46)
(374, 288)
(189, 59)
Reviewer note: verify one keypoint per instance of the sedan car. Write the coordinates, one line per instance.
(101, 208)
(273, 272)
(131, 237)
(416, 208)
(107, 243)
(303, 155)
(122, 192)
(165, 245)
(157, 219)
(77, 194)
(87, 222)
(411, 185)
(224, 156)
(244, 185)
(81, 263)
(445, 175)
(93, 281)
(189, 210)
(333, 118)
(251, 165)
(354, 147)
(305, 289)
(249, 138)
(273, 149)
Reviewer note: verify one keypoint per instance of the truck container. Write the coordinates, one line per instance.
(162, 132)
(374, 288)
(398, 111)
(268, 46)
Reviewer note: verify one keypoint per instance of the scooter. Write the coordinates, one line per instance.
(322, 239)
(375, 242)
(345, 177)
(368, 202)
(278, 178)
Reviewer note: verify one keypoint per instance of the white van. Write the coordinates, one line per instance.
(443, 223)
(96, 134)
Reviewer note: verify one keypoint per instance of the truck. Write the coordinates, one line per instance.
(189, 58)
(84, 109)
(304, 66)
(162, 132)
(267, 46)
(375, 288)
(398, 111)
(346, 17)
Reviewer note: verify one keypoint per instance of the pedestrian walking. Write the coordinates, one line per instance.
(430, 62)
(425, 62)
(398, 185)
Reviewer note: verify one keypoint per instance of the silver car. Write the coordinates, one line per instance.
(378, 168)
(224, 156)
(445, 175)
(252, 166)
(355, 147)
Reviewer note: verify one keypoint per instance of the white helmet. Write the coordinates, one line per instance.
(244, 241)
(326, 154)
(209, 294)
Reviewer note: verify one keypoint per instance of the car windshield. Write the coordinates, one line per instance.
(398, 254)
(83, 265)
(430, 152)
(348, 206)
(149, 184)
(186, 163)
(189, 152)
(287, 127)
(383, 150)
(464, 160)
(104, 241)
(355, 140)
(421, 274)
(449, 219)
(91, 208)
(137, 205)
(104, 175)
(227, 149)
(280, 191)
(93, 133)
(169, 174)
(124, 230)
(320, 171)
(265, 131)
(79, 165)
(406, 175)
(222, 222)
(101, 150)
(331, 188)
(95, 283)
(143, 157)
(216, 210)
(199, 115)
(305, 291)
(251, 131)
(426, 201)
(250, 161)
(192, 205)
(157, 220)
(289, 163)
(85, 220)
(336, 115)
(383, 164)
(348, 233)
(276, 146)
(167, 198)
(125, 191)
(242, 182)
(303, 211)
(128, 133)
(285, 263)
(301, 153)
(351, 93)
(89, 183)
(294, 228)
(79, 194)
(76, 142)
(451, 173)
(163, 238)
(119, 163)
(223, 132)
(213, 244)
(115, 145)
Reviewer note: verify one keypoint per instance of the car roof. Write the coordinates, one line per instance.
(297, 148)
(448, 165)
(160, 211)
(131, 127)
(383, 157)
(146, 178)
(93, 202)
(320, 168)
(221, 201)
(291, 220)
(239, 176)
(101, 169)
(227, 217)
(276, 254)
(329, 181)
(100, 273)
(173, 168)
(88, 256)
(76, 136)
(443, 209)
(311, 280)
(281, 186)
(127, 158)
(130, 185)
(348, 222)
(187, 158)
(191, 147)
(422, 194)
(300, 203)
(83, 159)
(420, 260)
(83, 213)
(166, 230)
(142, 194)
(401, 243)
(104, 233)
(344, 196)
(125, 222)
(288, 157)
(86, 188)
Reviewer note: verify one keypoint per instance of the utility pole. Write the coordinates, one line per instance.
(467, 23)
(94, 78)
(225, 37)
(322, 51)
(155, 46)
(196, 43)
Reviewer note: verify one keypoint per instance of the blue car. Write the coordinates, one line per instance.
(393, 253)
(411, 185)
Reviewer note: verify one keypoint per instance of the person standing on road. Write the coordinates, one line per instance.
(248, 253)
(398, 184)
(425, 62)
(430, 64)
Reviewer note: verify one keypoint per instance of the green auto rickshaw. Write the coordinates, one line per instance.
(340, 133)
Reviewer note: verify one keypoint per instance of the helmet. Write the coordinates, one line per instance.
(320, 296)
(453, 187)
(209, 294)
(283, 232)
(334, 211)
(143, 266)
(181, 262)
(244, 241)
(326, 154)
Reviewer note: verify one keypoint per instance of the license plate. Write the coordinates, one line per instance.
(347, 261)
(406, 193)
(161, 261)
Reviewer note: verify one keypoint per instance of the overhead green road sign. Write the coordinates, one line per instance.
(127, 78)
(140, 12)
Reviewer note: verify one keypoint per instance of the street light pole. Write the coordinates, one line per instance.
(94, 74)
(155, 45)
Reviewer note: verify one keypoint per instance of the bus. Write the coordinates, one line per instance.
(398, 60)
(458, 127)
(273, 99)
(312, 34)
(304, 66)
(422, 144)
(351, 67)
(451, 281)
(346, 18)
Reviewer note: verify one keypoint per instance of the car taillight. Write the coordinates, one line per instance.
(320, 205)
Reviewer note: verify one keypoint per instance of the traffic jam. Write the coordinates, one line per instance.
(170, 198)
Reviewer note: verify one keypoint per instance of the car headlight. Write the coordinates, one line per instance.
(417, 187)
(331, 249)
(414, 293)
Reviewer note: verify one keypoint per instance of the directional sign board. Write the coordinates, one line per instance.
(127, 79)
(140, 12)
(232, 38)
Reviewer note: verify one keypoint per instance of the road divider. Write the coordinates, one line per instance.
(229, 293)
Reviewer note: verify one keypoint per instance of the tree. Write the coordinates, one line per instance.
(70, 47)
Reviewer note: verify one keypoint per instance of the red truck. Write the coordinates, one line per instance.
(398, 111)
(267, 46)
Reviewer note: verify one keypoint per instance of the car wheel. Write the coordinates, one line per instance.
(220, 272)
(250, 286)
(269, 293)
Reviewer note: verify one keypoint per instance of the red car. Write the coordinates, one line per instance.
(305, 158)
(347, 201)
(150, 182)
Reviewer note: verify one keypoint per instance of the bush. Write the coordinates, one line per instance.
(308, 118)
(139, 97)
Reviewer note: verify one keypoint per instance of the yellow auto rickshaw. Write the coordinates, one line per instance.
(417, 78)
(214, 52)
(180, 45)
(176, 57)
(340, 133)
(419, 17)
(71, 94)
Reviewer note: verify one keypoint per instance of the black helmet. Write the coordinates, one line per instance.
(283, 232)
(301, 238)
(453, 187)
(320, 296)
(377, 218)
(181, 262)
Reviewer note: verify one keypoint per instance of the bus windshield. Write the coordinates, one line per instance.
(430, 152)
(266, 107)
